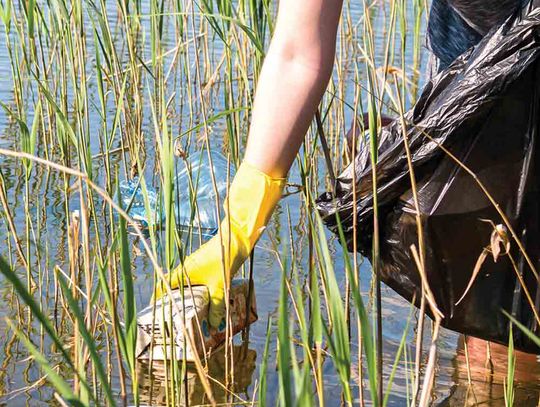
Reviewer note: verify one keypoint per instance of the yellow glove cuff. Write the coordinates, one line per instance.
(253, 195)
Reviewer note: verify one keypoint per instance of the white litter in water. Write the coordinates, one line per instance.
(160, 328)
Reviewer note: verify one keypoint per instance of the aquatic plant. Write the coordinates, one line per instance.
(101, 92)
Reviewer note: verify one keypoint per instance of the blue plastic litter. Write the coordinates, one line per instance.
(194, 191)
(133, 200)
(196, 203)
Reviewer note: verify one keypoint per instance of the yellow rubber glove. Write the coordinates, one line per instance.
(253, 195)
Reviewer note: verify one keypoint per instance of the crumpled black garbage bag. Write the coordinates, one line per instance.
(484, 108)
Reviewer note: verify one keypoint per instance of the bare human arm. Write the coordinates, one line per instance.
(294, 77)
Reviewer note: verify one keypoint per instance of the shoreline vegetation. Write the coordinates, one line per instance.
(104, 91)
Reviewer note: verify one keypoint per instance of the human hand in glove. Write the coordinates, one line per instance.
(252, 198)
(293, 79)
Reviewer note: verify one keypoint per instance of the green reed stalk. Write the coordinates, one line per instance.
(72, 63)
(130, 308)
(370, 349)
(509, 393)
(338, 336)
(284, 349)
(43, 319)
(263, 383)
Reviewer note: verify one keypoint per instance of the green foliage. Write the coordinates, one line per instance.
(5, 14)
(509, 382)
(337, 334)
(56, 380)
(284, 347)
(263, 386)
(113, 90)
(45, 323)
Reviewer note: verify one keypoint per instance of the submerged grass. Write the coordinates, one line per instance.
(103, 92)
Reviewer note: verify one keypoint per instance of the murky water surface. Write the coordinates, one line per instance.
(21, 383)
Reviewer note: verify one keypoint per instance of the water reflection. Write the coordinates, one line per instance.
(487, 369)
(155, 383)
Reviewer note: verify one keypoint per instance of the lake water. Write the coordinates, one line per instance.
(21, 382)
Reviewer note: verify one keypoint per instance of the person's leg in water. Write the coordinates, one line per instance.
(485, 364)
(294, 76)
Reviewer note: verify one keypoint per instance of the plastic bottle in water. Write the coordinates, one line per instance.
(196, 201)
(195, 194)
(132, 198)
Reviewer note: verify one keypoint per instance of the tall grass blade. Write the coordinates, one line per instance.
(130, 310)
(366, 331)
(52, 376)
(263, 383)
(284, 346)
(44, 321)
(509, 382)
(89, 341)
(338, 338)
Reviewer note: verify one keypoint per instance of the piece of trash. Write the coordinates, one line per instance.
(158, 339)
(132, 197)
(196, 197)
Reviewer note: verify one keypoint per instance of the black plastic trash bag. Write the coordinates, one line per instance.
(484, 108)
